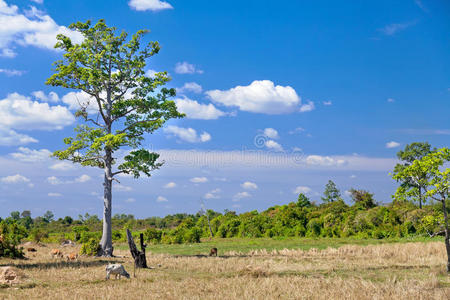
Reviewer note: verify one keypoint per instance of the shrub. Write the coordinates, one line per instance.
(90, 248)
(10, 237)
(193, 235)
(153, 235)
(38, 235)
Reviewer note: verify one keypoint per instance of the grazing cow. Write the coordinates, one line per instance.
(56, 253)
(31, 249)
(72, 256)
(213, 252)
(116, 269)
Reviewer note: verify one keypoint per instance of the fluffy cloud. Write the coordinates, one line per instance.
(189, 87)
(75, 100)
(10, 73)
(302, 190)
(170, 185)
(14, 179)
(83, 178)
(153, 5)
(199, 180)
(51, 97)
(54, 194)
(30, 155)
(272, 145)
(195, 110)
(122, 188)
(392, 144)
(307, 107)
(319, 160)
(213, 194)
(32, 28)
(9, 137)
(54, 180)
(186, 68)
(19, 112)
(62, 166)
(241, 195)
(259, 97)
(161, 199)
(187, 134)
(130, 200)
(249, 185)
(327, 103)
(390, 100)
(271, 133)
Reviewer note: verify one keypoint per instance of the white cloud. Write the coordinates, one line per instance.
(213, 194)
(319, 160)
(150, 73)
(259, 97)
(62, 166)
(297, 130)
(38, 1)
(153, 5)
(54, 194)
(10, 73)
(187, 134)
(199, 180)
(83, 178)
(33, 28)
(54, 180)
(241, 195)
(130, 200)
(271, 144)
(14, 179)
(170, 185)
(392, 144)
(391, 100)
(51, 97)
(19, 112)
(8, 53)
(122, 188)
(195, 110)
(190, 87)
(30, 155)
(307, 107)
(392, 29)
(271, 133)
(302, 190)
(76, 100)
(249, 185)
(161, 199)
(186, 68)
(353, 176)
(9, 137)
(327, 103)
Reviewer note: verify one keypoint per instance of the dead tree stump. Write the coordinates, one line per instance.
(139, 256)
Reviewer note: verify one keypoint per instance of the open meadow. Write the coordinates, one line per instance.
(414, 270)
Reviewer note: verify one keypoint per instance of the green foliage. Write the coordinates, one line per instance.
(331, 192)
(363, 199)
(303, 201)
(10, 236)
(38, 234)
(90, 247)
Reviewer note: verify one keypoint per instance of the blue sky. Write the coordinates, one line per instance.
(280, 96)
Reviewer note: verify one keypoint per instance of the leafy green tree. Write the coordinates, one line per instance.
(125, 104)
(436, 183)
(303, 201)
(26, 213)
(15, 215)
(48, 216)
(362, 198)
(408, 155)
(331, 192)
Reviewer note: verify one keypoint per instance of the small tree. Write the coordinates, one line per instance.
(303, 201)
(48, 216)
(436, 183)
(412, 152)
(331, 192)
(124, 105)
(363, 198)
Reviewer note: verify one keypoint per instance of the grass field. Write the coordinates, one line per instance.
(246, 269)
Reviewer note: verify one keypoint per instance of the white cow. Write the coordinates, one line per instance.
(116, 269)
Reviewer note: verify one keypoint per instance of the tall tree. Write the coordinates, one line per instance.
(363, 198)
(436, 183)
(331, 192)
(408, 155)
(124, 105)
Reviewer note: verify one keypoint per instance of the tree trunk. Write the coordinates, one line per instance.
(420, 197)
(447, 237)
(140, 261)
(106, 241)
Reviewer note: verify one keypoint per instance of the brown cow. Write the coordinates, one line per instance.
(56, 253)
(213, 252)
(72, 256)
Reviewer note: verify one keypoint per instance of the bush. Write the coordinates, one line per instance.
(193, 235)
(10, 237)
(90, 248)
(86, 236)
(153, 235)
(38, 235)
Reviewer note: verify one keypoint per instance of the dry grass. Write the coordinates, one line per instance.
(390, 271)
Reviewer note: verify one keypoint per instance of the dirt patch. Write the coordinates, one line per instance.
(10, 275)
